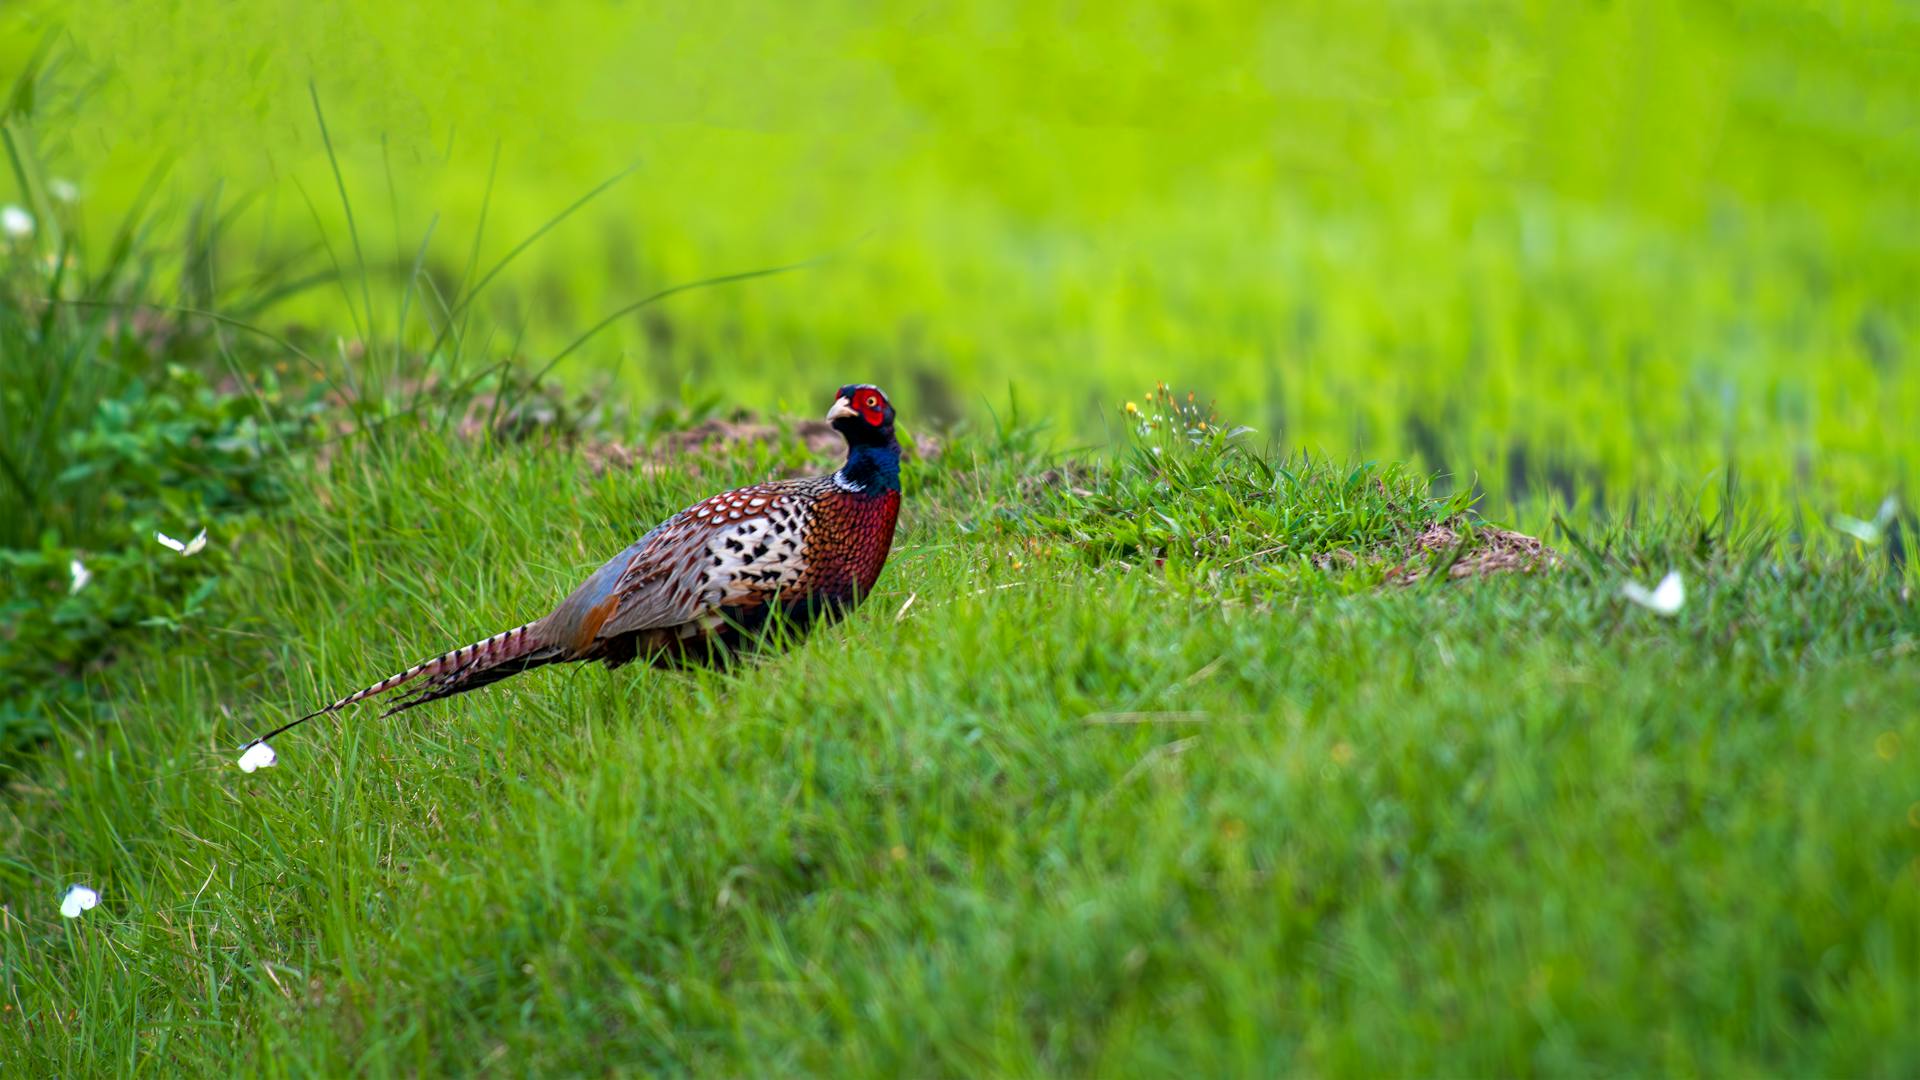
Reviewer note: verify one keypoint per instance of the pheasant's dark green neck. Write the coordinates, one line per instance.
(871, 468)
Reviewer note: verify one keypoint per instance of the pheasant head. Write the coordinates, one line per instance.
(862, 413)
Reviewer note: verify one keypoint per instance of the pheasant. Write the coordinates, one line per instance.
(712, 579)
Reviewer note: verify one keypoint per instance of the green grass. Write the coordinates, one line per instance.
(1066, 812)
(1570, 251)
(1140, 761)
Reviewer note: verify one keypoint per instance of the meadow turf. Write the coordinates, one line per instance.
(1586, 249)
(1157, 750)
(1043, 805)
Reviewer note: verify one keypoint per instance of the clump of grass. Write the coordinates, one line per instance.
(175, 457)
(1185, 492)
(112, 429)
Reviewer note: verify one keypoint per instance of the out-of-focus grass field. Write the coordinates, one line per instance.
(1584, 247)
(1144, 758)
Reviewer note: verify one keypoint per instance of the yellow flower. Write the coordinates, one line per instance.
(1132, 409)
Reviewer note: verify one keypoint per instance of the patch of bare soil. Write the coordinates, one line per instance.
(1076, 478)
(1490, 551)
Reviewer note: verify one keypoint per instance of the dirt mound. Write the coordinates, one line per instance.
(1486, 551)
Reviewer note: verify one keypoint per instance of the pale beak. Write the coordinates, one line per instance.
(841, 407)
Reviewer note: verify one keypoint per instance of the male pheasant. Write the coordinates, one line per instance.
(711, 579)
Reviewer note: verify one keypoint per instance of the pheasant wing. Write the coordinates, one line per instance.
(737, 549)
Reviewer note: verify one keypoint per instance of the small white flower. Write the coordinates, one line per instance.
(1863, 531)
(191, 547)
(1666, 598)
(1869, 532)
(78, 899)
(81, 575)
(62, 190)
(258, 756)
(15, 222)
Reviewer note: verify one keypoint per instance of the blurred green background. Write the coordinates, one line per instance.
(1577, 250)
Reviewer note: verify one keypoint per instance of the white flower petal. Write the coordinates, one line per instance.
(258, 756)
(78, 899)
(81, 575)
(1870, 532)
(65, 191)
(15, 222)
(1666, 598)
(1867, 532)
(1889, 507)
(1671, 594)
(189, 547)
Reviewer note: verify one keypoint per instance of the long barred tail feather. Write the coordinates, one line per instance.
(469, 667)
(473, 677)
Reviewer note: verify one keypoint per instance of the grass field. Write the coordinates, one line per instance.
(1065, 813)
(1586, 248)
(1157, 750)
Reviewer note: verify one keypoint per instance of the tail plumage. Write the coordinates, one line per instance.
(469, 667)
